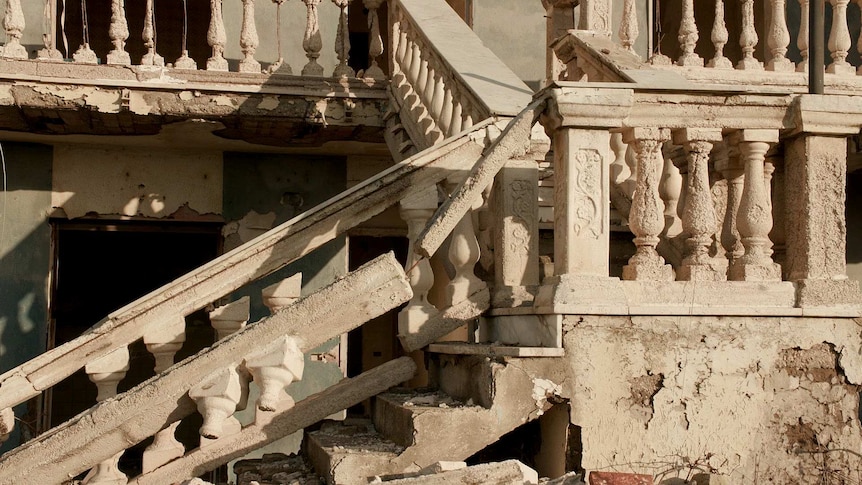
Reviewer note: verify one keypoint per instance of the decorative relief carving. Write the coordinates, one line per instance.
(586, 171)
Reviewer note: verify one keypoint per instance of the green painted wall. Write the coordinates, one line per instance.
(279, 187)
(25, 256)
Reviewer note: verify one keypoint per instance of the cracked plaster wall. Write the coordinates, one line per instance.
(762, 400)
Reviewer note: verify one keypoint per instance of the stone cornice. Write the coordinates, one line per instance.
(827, 114)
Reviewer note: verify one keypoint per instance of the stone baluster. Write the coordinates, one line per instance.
(414, 74)
(248, 39)
(748, 38)
(230, 318)
(7, 424)
(416, 211)
(619, 170)
(719, 39)
(49, 51)
(445, 119)
(14, 24)
(768, 172)
(670, 190)
(774, 169)
(217, 396)
(457, 123)
(375, 47)
(778, 39)
(342, 42)
(463, 254)
(84, 54)
(279, 66)
(311, 41)
(430, 86)
(629, 26)
(216, 38)
(107, 372)
(118, 32)
(164, 345)
(645, 216)
(754, 217)
(802, 38)
(688, 36)
(400, 64)
(150, 58)
(435, 132)
(282, 294)
(839, 39)
(273, 369)
(467, 112)
(698, 217)
(728, 164)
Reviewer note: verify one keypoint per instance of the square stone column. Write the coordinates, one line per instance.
(580, 123)
(815, 163)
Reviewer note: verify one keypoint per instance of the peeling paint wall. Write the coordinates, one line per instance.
(261, 191)
(25, 249)
(762, 400)
(136, 182)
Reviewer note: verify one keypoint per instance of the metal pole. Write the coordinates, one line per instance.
(816, 40)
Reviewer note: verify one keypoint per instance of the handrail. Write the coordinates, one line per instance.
(255, 259)
(493, 86)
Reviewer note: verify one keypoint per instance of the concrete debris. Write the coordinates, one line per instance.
(571, 478)
(275, 469)
(511, 472)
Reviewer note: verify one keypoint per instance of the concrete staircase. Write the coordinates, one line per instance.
(478, 401)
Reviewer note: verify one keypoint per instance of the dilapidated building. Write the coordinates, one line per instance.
(350, 230)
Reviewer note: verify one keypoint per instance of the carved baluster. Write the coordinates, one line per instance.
(216, 38)
(778, 39)
(375, 48)
(629, 26)
(273, 369)
(467, 110)
(839, 39)
(164, 345)
(7, 424)
(445, 119)
(435, 107)
(279, 66)
(151, 58)
(107, 372)
(118, 33)
(754, 218)
(230, 318)
(416, 211)
(727, 162)
(401, 64)
(698, 217)
(14, 24)
(719, 39)
(49, 52)
(619, 170)
(342, 43)
(282, 294)
(688, 36)
(645, 216)
(748, 38)
(217, 396)
(311, 41)
(84, 54)
(670, 190)
(429, 86)
(774, 170)
(463, 254)
(802, 39)
(457, 123)
(248, 39)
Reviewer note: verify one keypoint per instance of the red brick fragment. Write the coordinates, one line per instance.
(614, 478)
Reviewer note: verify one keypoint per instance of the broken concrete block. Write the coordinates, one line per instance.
(570, 478)
(442, 466)
(614, 478)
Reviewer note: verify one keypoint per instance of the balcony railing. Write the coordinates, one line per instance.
(216, 38)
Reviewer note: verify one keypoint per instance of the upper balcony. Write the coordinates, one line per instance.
(273, 73)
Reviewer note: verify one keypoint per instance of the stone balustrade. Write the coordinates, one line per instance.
(249, 39)
(716, 186)
(443, 78)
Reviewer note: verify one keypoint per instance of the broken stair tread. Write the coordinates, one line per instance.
(354, 436)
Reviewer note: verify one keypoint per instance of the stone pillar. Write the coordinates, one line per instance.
(560, 15)
(516, 238)
(579, 126)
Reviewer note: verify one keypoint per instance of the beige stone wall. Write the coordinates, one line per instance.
(136, 182)
(763, 400)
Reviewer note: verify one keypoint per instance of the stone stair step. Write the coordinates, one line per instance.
(493, 350)
(346, 453)
(397, 413)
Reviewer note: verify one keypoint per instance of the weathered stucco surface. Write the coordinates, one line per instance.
(762, 400)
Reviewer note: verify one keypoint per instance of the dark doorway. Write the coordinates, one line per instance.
(376, 342)
(100, 267)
